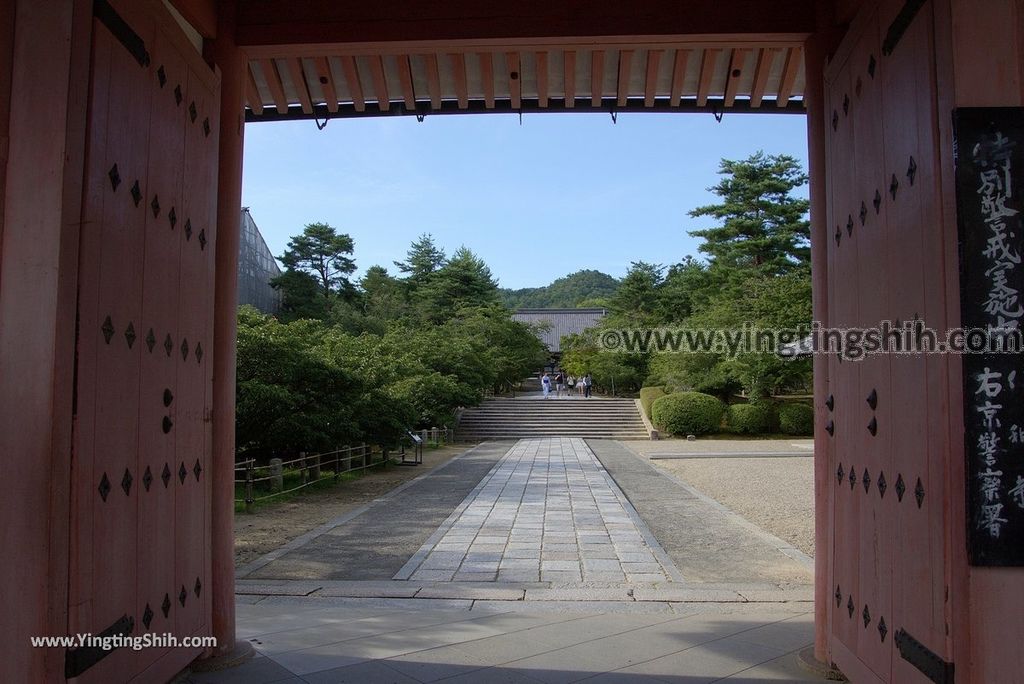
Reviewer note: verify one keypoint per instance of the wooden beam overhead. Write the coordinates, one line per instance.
(542, 78)
(355, 88)
(405, 78)
(298, 78)
(262, 23)
(380, 83)
(789, 74)
(433, 80)
(459, 75)
(252, 93)
(707, 73)
(487, 76)
(515, 79)
(732, 82)
(625, 62)
(569, 79)
(596, 77)
(678, 76)
(765, 59)
(651, 77)
(323, 74)
(269, 68)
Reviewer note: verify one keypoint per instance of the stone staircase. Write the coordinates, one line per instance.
(593, 418)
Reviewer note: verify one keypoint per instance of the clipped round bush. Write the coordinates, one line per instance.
(796, 419)
(686, 413)
(648, 395)
(749, 419)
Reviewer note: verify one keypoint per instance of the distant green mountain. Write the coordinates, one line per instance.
(581, 289)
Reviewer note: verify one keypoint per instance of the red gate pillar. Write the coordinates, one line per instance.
(232, 64)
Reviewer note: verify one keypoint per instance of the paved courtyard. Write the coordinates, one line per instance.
(549, 512)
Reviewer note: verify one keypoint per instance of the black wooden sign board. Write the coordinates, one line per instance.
(989, 158)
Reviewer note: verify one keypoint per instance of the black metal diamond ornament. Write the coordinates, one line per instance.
(172, 217)
(161, 76)
(188, 229)
(165, 475)
(849, 605)
(849, 225)
(871, 66)
(877, 201)
(155, 206)
(882, 629)
(108, 329)
(838, 235)
(192, 113)
(830, 402)
(115, 177)
(873, 426)
(839, 596)
(147, 616)
(166, 605)
(129, 335)
(177, 94)
(199, 352)
(919, 493)
(136, 193)
(126, 482)
(206, 127)
(901, 487)
(866, 480)
(197, 469)
(853, 478)
(840, 474)
(867, 616)
(184, 348)
(202, 239)
(881, 485)
(147, 479)
(104, 487)
(198, 587)
(863, 213)
(168, 344)
(894, 185)
(912, 171)
(182, 472)
(182, 595)
(150, 340)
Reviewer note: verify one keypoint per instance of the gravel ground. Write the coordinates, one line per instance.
(272, 526)
(776, 494)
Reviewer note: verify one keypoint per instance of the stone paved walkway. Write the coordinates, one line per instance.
(548, 511)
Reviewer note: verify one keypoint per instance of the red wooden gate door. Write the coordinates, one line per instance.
(140, 510)
(887, 414)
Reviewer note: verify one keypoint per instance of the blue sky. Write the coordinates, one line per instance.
(559, 193)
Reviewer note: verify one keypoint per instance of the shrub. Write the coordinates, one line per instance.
(687, 413)
(749, 419)
(796, 419)
(648, 395)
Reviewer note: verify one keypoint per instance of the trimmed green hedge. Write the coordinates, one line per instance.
(648, 395)
(749, 419)
(796, 419)
(685, 413)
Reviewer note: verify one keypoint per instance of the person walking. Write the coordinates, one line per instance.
(545, 385)
(588, 381)
(559, 384)
(570, 385)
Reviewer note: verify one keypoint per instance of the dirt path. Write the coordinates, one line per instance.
(272, 526)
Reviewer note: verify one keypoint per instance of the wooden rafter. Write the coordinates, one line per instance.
(732, 82)
(487, 76)
(298, 78)
(542, 78)
(707, 73)
(765, 59)
(274, 84)
(625, 62)
(515, 79)
(678, 76)
(459, 75)
(433, 80)
(651, 78)
(252, 93)
(569, 79)
(323, 74)
(405, 79)
(596, 77)
(789, 74)
(355, 88)
(380, 83)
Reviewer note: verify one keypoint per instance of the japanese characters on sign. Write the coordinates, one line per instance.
(989, 144)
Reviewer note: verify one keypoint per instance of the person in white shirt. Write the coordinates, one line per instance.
(545, 384)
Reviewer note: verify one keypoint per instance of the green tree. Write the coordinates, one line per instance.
(637, 300)
(384, 297)
(464, 281)
(763, 228)
(423, 259)
(325, 254)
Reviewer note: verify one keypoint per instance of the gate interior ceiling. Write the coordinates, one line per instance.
(142, 439)
(887, 615)
(766, 75)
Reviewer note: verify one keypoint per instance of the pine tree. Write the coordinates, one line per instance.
(324, 253)
(423, 259)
